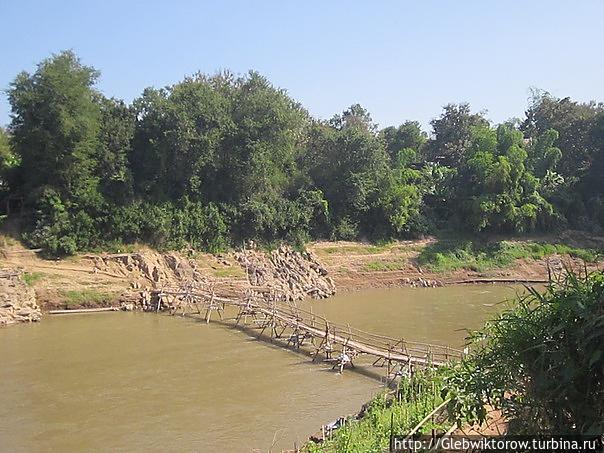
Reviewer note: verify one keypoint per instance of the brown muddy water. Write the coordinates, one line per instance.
(148, 382)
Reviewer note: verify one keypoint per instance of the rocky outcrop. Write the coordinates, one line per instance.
(158, 269)
(282, 274)
(421, 283)
(286, 273)
(17, 300)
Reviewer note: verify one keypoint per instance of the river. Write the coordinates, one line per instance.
(148, 382)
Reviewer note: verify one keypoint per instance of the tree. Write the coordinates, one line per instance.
(495, 190)
(260, 152)
(116, 132)
(55, 124)
(346, 165)
(408, 135)
(8, 163)
(543, 155)
(220, 158)
(348, 162)
(573, 121)
(452, 132)
(591, 186)
(355, 116)
(178, 138)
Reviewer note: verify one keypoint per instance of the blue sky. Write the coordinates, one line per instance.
(400, 60)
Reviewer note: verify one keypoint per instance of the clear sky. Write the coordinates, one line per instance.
(401, 60)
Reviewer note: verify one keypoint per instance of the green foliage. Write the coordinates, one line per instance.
(55, 126)
(541, 362)
(169, 226)
(87, 297)
(570, 134)
(8, 162)
(60, 230)
(408, 135)
(451, 254)
(214, 160)
(416, 397)
(452, 134)
(368, 195)
(30, 278)
(494, 189)
(573, 123)
(115, 137)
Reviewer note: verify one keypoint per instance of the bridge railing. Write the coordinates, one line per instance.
(295, 315)
(384, 343)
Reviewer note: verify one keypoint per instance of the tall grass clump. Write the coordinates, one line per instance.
(415, 398)
(541, 362)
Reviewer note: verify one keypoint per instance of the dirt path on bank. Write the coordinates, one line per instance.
(99, 280)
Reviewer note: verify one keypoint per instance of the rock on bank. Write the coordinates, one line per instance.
(17, 300)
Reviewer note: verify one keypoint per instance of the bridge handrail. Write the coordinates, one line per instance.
(385, 344)
(434, 349)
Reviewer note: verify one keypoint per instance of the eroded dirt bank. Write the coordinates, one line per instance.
(17, 299)
(100, 280)
(97, 280)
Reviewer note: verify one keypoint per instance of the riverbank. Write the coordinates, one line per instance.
(102, 280)
(17, 299)
(130, 366)
(445, 261)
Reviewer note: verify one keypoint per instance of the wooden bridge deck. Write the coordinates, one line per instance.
(338, 344)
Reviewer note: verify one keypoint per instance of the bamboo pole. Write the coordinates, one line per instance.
(82, 310)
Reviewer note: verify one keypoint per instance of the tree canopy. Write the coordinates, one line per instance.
(217, 159)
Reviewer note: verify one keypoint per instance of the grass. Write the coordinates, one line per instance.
(355, 249)
(86, 297)
(118, 247)
(30, 278)
(381, 266)
(452, 254)
(234, 271)
(6, 241)
(417, 397)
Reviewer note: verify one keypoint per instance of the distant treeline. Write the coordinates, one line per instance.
(214, 160)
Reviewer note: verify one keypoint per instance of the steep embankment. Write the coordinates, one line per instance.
(94, 280)
(17, 299)
(294, 275)
(89, 280)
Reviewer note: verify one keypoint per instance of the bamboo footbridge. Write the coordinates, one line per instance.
(338, 344)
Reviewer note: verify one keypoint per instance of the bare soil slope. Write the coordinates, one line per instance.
(94, 280)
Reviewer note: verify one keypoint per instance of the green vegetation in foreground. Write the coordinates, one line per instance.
(30, 278)
(86, 297)
(417, 397)
(541, 362)
(452, 254)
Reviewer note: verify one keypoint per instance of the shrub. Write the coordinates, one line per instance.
(541, 361)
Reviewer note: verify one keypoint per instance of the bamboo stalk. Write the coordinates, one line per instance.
(82, 310)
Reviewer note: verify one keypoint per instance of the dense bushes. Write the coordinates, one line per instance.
(212, 161)
(541, 362)
(452, 254)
